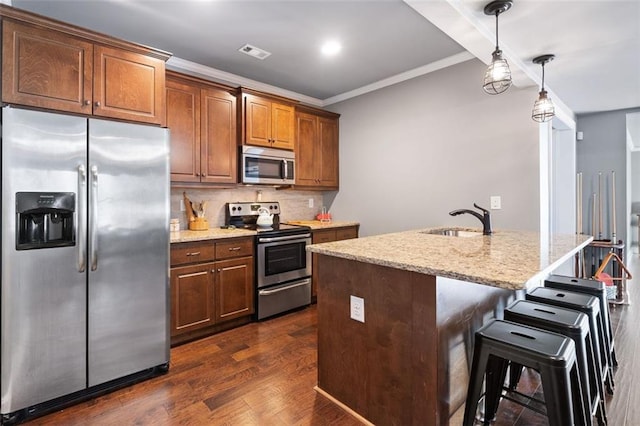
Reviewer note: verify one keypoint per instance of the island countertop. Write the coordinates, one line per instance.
(506, 259)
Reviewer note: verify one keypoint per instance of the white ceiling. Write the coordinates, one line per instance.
(596, 42)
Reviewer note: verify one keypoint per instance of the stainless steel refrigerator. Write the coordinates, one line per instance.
(85, 244)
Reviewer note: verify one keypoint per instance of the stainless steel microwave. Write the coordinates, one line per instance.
(267, 166)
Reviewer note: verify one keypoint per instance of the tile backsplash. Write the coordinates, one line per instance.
(294, 205)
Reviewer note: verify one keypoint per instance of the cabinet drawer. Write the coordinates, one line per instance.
(324, 236)
(346, 233)
(192, 252)
(234, 248)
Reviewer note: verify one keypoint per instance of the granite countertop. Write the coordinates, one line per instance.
(211, 234)
(506, 259)
(316, 224)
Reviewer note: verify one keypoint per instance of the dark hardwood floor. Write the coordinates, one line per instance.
(264, 374)
(258, 374)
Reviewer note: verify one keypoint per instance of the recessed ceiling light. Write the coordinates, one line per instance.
(331, 47)
(253, 51)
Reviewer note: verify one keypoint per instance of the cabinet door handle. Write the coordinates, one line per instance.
(198, 174)
(87, 102)
(234, 248)
(195, 253)
(97, 104)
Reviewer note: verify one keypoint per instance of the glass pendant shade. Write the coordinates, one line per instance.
(543, 109)
(497, 78)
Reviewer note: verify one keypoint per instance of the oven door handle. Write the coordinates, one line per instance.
(285, 238)
(289, 287)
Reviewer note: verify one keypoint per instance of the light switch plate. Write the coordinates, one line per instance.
(496, 202)
(310, 203)
(357, 308)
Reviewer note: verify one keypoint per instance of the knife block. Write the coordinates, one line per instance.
(199, 224)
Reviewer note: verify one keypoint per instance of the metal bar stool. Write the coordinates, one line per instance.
(588, 305)
(573, 324)
(552, 355)
(594, 288)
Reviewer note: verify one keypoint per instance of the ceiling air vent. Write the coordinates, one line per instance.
(253, 51)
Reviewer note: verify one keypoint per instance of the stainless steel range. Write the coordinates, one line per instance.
(283, 266)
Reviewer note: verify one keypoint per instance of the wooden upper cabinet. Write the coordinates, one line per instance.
(46, 69)
(328, 141)
(53, 65)
(282, 126)
(218, 136)
(268, 123)
(257, 121)
(203, 124)
(306, 146)
(128, 85)
(183, 119)
(317, 149)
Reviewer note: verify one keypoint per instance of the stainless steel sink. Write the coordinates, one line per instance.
(454, 232)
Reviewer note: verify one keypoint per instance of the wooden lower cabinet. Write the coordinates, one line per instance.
(327, 236)
(191, 298)
(212, 287)
(234, 288)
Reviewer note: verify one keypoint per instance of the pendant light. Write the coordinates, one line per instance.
(543, 107)
(497, 78)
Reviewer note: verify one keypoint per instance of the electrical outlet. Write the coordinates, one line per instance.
(182, 207)
(310, 203)
(357, 308)
(496, 202)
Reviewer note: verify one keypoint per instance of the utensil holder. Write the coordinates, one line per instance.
(199, 224)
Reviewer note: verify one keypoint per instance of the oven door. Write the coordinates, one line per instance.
(282, 259)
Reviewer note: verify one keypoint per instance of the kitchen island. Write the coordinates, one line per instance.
(424, 295)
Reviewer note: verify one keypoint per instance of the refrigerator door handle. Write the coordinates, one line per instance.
(93, 234)
(82, 211)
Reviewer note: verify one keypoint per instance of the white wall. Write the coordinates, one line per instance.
(412, 152)
(563, 188)
(634, 179)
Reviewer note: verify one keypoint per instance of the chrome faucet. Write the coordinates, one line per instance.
(485, 217)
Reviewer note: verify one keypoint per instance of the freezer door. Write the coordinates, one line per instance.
(43, 312)
(128, 249)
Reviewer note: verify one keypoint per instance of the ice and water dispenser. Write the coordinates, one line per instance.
(44, 219)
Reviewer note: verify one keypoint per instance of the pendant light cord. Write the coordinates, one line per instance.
(542, 76)
(497, 13)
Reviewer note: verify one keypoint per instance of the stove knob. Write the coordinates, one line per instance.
(233, 209)
(239, 208)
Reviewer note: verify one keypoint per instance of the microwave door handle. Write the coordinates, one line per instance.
(283, 171)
